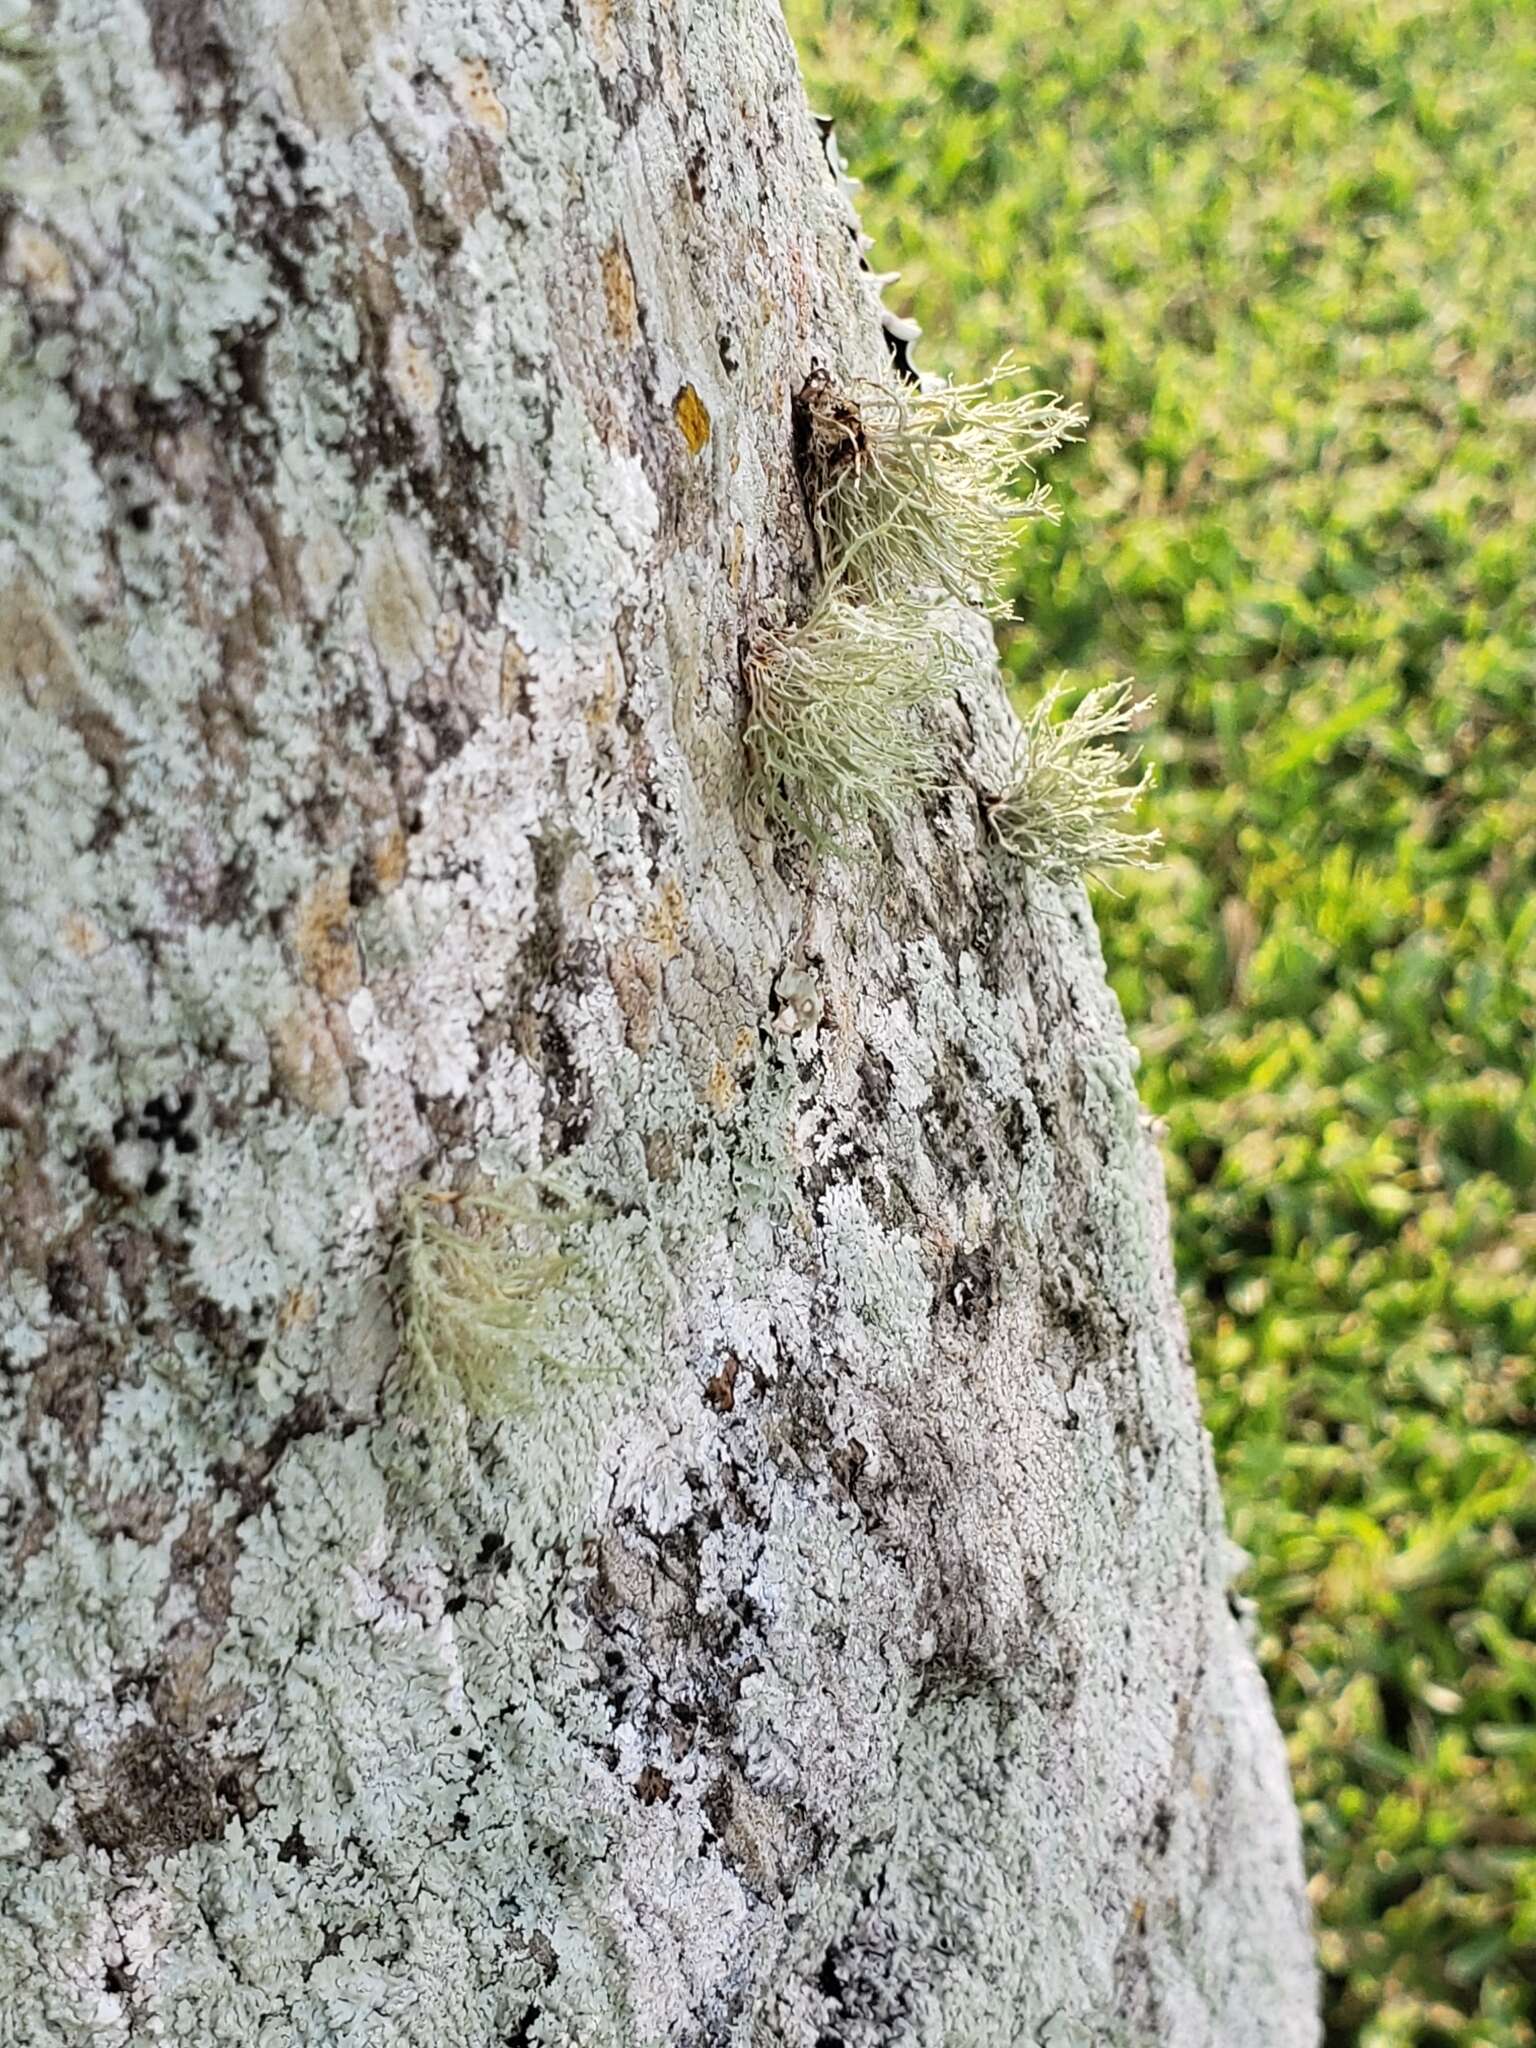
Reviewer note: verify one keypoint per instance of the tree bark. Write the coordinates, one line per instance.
(395, 409)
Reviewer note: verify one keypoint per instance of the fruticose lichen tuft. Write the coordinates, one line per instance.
(23, 72)
(1066, 809)
(485, 1273)
(911, 487)
(834, 732)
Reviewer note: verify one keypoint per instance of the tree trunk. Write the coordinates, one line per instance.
(831, 1645)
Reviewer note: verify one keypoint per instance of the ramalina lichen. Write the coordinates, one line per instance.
(912, 488)
(912, 496)
(834, 732)
(1067, 809)
(485, 1274)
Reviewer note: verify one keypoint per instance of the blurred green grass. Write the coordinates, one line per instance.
(1285, 253)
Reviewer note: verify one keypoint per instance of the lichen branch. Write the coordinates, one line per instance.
(1066, 810)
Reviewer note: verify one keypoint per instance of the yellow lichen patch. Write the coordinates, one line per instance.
(319, 75)
(306, 1061)
(324, 561)
(619, 291)
(692, 416)
(668, 920)
(412, 372)
(298, 1308)
(387, 861)
(604, 706)
(38, 265)
(720, 1090)
(326, 942)
(473, 90)
(636, 979)
(600, 14)
(399, 601)
(36, 656)
(81, 937)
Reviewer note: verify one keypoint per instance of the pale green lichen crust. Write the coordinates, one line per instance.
(843, 1649)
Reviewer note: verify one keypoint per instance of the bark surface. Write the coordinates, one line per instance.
(395, 446)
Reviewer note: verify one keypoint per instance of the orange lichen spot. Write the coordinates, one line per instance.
(619, 291)
(83, 938)
(692, 416)
(298, 1308)
(38, 265)
(386, 861)
(477, 96)
(720, 1391)
(306, 1061)
(668, 921)
(720, 1090)
(326, 942)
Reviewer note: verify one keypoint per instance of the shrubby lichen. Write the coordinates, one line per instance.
(1066, 810)
(912, 487)
(910, 494)
(834, 733)
(23, 69)
(484, 1273)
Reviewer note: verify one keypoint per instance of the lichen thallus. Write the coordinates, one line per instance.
(912, 500)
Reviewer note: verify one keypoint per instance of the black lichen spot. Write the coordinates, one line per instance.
(160, 1796)
(1161, 1830)
(973, 1284)
(653, 1787)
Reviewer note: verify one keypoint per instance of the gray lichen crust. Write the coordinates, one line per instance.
(395, 450)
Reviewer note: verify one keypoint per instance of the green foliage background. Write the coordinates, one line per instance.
(1285, 253)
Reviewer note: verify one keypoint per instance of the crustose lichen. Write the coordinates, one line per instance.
(486, 1274)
